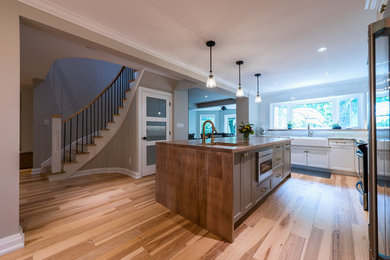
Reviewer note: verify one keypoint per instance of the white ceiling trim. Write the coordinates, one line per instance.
(89, 24)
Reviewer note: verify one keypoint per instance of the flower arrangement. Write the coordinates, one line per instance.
(246, 130)
(290, 125)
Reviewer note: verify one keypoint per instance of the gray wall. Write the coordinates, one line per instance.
(9, 113)
(26, 118)
(69, 86)
(159, 82)
(326, 90)
(122, 150)
(180, 105)
(194, 120)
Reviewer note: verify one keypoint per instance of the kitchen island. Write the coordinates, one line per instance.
(215, 185)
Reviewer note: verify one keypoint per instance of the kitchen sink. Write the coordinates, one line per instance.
(309, 141)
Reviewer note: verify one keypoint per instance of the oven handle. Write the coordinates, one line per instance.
(359, 187)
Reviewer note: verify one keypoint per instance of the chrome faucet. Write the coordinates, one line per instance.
(309, 132)
(212, 132)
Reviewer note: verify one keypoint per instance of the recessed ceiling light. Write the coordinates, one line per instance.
(322, 49)
(326, 73)
(275, 83)
(206, 96)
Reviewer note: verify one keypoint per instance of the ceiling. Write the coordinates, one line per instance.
(197, 95)
(278, 39)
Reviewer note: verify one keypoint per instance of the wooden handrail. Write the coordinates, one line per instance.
(97, 97)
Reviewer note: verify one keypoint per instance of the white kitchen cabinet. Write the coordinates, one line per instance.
(318, 157)
(298, 155)
(342, 155)
(309, 156)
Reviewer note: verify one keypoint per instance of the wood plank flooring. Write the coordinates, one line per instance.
(111, 216)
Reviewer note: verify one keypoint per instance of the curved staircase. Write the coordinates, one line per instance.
(85, 133)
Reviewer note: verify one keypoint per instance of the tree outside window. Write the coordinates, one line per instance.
(204, 118)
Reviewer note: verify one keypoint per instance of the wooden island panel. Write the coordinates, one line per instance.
(197, 184)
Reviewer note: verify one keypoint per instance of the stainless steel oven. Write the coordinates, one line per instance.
(264, 167)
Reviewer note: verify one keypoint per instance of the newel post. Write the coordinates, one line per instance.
(56, 163)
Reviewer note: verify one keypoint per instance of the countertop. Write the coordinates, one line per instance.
(230, 144)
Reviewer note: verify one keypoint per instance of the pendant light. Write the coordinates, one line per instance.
(258, 97)
(240, 91)
(210, 79)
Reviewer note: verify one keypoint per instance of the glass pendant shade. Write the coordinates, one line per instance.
(211, 81)
(240, 91)
(258, 98)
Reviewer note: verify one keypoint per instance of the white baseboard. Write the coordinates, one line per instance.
(12, 242)
(125, 171)
(36, 171)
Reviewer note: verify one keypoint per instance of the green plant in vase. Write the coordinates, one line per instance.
(290, 125)
(246, 130)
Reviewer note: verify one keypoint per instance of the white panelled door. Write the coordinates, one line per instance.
(155, 125)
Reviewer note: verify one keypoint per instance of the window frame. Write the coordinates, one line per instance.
(382, 93)
(206, 115)
(335, 113)
(225, 122)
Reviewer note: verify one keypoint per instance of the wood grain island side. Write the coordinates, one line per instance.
(215, 185)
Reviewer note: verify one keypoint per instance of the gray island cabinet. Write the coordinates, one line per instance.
(247, 191)
(215, 185)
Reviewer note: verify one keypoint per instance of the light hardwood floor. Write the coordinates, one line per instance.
(111, 216)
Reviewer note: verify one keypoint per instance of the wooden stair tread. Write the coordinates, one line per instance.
(72, 162)
(55, 173)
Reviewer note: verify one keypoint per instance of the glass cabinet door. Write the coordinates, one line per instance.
(382, 107)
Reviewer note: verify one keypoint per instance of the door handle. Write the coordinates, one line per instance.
(144, 138)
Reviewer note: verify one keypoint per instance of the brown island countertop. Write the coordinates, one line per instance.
(231, 144)
(199, 182)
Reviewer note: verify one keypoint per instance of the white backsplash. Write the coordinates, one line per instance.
(358, 134)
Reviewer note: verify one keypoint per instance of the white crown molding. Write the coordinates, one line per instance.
(94, 26)
(12, 242)
(128, 172)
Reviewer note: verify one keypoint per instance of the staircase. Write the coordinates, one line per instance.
(85, 133)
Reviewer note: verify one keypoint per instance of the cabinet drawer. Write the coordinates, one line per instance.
(341, 143)
(262, 189)
(277, 158)
(277, 176)
(278, 146)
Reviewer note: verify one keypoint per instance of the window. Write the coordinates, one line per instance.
(204, 118)
(319, 113)
(230, 124)
(348, 113)
(280, 116)
(382, 111)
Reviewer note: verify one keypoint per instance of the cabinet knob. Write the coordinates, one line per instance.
(263, 189)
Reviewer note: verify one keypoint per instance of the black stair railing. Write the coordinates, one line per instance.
(81, 128)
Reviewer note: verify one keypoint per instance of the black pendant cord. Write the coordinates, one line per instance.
(239, 75)
(211, 44)
(257, 75)
(211, 61)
